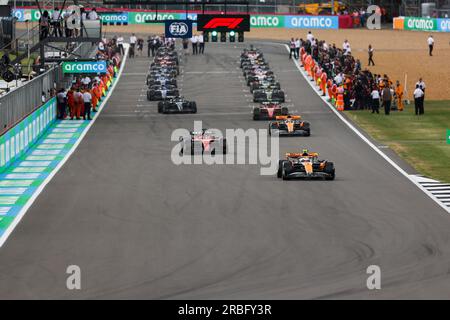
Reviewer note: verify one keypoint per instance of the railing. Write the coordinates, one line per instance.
(17, 104)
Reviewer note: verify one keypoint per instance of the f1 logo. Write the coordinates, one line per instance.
(231, 23)
(223, 23)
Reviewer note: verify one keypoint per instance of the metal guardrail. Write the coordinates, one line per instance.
(17, 104)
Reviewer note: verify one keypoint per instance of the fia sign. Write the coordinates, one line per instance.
(178, 28)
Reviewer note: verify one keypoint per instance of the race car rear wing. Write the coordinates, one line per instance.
(296, 117)
(298, 155)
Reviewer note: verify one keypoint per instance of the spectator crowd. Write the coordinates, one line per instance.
(64, 22)
(340, 76)
(87, 90)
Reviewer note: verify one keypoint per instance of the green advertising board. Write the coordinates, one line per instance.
(420, 24)
(84, 67)
(448, 136)
(266, 21)
(141, 17)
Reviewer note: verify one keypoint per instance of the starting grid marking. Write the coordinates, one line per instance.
(23, 178)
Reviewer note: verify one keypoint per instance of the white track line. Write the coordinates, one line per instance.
(359, 134)
(38, 191)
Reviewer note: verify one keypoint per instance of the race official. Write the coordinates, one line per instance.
(422, 87)
(297, 48)
(133, 41)
(86, 81)
(78, 104)
(194, 41)
(120, 44)
(292, 48)
(430, 42)
(386, 96)
(370, 52)
(87, 99)
(61, 99)
(399, 95)
(418, 100)
(375, 94)
(201, 44)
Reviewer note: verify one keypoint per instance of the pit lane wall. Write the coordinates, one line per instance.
(422, 24)
(256, 21)
(15, 142)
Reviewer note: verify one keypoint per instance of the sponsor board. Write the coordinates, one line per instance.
(266, 21)
(84, 67)
(311, 22)
(141, 17)
(189, 16)
(178, 28)
(19, 14)
(448, 136)
(443, 25)
(114, 18)
(420, 24)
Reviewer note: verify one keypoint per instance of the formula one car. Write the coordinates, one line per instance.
(247, 63)
(257, 71)
(305, 165)
(157, 92)
(265, 84)
(163, 72)
(289, 126)
(177, 105)
(254, 64)
(268, 95)
(165, 67)
(251, 53)
(204, 141)
(260, 76)
(269, 111)
(165, 59)
(153, 80)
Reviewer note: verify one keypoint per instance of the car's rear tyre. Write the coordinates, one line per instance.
(256, 113)
(286, 170)
(194, 107)
(329, 169)
(280, 168)
(284, 111)
(160, 106)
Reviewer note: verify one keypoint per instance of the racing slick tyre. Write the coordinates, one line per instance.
(160, 107)
(256, 113)
(329, 168)
(286, 170)
(284, 111)
(194, 107)
(280, 167)
(149, 96)
(307, 129)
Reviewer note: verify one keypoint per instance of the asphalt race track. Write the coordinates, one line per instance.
(140, 227)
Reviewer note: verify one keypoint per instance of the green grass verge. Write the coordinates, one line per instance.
(421, 141)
